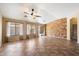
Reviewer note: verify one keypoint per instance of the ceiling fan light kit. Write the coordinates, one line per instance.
(33, 14)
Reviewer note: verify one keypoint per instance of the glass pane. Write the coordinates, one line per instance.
(17, 29)
(33, 29)
(28, 28)
(10, 28)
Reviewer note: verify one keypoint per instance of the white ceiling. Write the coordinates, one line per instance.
(48, 11)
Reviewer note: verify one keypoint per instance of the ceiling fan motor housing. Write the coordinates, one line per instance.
(32, 9)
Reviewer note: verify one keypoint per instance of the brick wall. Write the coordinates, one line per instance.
(57, 28)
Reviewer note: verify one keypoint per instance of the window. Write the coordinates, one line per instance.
(33, 29)
(28, 28)
(21, 29)
(14, 29)
(10, 28)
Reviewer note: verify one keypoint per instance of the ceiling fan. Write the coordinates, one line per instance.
(32, 14)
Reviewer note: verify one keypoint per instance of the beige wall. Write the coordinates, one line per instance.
(57, 28)
(0, 30)
(73, 20)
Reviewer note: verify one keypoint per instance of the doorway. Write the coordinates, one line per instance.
(73, 29)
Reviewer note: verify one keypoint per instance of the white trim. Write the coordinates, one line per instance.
(68, 29)
(0, 30)
(77, 30)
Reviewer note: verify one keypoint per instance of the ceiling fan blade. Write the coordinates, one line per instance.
(26, 12)
(32, 13)
(25, 15)
(37, 16)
